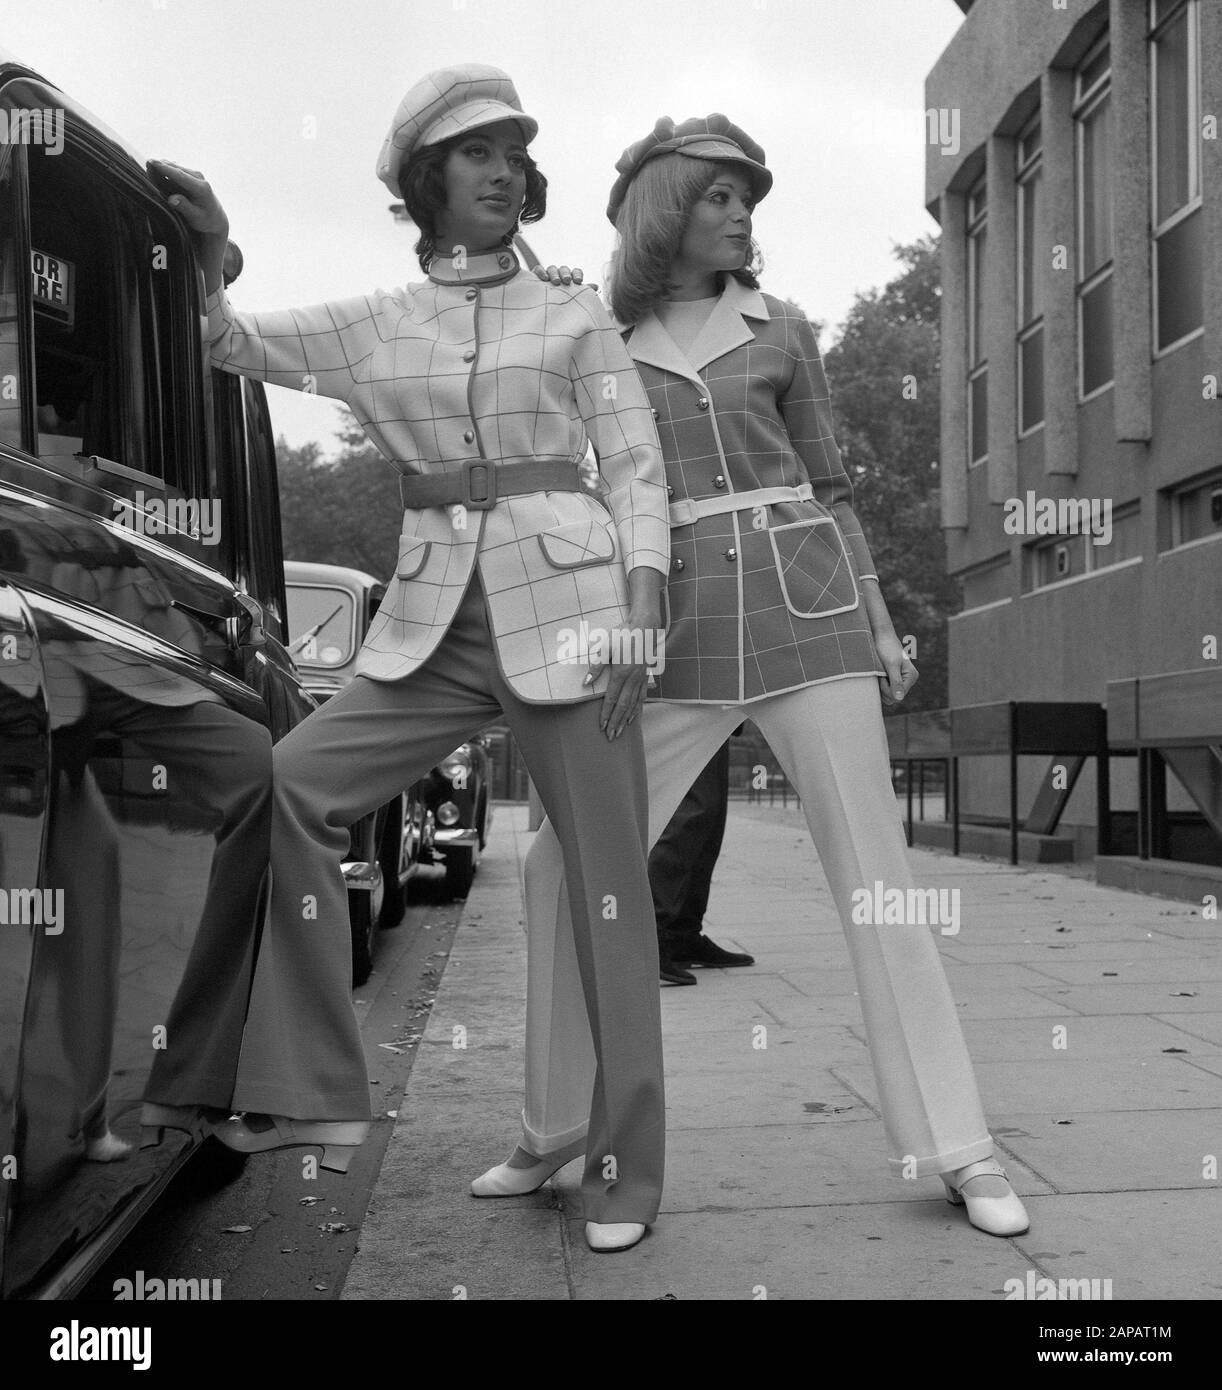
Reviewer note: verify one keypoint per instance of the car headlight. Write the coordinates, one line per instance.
(447, 813)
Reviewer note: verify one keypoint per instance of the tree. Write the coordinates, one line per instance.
(344, 511)
(884, 375)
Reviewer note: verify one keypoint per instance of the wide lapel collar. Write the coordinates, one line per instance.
(726, 328)
(652, 344)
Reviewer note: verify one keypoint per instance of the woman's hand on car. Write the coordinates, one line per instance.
(192, 198)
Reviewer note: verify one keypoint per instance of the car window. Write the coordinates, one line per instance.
(110, 277)
(10, 335)
(322, 624)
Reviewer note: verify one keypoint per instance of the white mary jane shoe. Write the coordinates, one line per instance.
(618, 1235)
(504, 1181)
(999, 1216)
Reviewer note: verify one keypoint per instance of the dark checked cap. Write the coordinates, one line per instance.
(714, 137)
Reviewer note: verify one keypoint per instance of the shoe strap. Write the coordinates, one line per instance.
(984, 1167)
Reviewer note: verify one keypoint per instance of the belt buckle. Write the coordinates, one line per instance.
(485, 487)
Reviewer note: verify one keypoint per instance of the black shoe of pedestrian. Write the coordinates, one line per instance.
(702, 951)
(671, 974)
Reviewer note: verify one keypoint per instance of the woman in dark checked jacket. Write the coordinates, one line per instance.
(481, 385)
(775, 613)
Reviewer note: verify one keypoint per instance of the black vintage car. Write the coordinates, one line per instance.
(446, 816)
(330, 608)
(143, 675)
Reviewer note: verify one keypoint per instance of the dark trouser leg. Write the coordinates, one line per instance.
(302, 1053)
(681, 864)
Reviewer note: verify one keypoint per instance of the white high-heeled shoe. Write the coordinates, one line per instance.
(999, 1216)
(504, 1181)
(616, 1235)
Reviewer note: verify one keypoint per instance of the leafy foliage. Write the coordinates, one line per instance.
(344, 511)
(884, 379)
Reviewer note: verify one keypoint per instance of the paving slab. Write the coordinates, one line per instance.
(777, 1181)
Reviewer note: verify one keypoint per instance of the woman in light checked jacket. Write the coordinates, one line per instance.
(775, 613)
(481, 386)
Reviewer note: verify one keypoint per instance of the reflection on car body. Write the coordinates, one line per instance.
(143, 680)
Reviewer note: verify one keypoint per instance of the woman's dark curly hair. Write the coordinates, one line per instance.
(423, 186)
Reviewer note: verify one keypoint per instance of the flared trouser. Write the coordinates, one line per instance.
(829, 739)
(302, 1053)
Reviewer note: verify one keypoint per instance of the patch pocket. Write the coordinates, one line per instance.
(413, 552)
(578, 544)
(813, 566)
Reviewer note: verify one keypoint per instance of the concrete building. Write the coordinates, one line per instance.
(1081, 216)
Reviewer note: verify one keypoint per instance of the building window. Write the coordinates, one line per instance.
(977, 362)
(1175, 153)
(1092, 117)
(1196, 511)
(1058, 558)
(1032, 264)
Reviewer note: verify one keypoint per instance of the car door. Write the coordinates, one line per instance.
(140, 684)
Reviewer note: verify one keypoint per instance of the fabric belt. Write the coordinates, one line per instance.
(481, 483)
(690, 509)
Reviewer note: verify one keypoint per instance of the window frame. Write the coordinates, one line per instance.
(977, 361)
(1030, 169)
(1189, 10)
(1087, 100)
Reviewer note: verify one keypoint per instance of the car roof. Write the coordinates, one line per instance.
(306, 572)
(12, 66)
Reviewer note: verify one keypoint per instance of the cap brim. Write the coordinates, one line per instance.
(475, 114)
(726, 152)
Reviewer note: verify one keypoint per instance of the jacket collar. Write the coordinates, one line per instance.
(725, 329)
(484, 268)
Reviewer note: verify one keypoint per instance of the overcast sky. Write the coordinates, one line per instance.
(284, 104)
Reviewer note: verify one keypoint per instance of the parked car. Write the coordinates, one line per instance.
(142, 659)
(458, 797)
(444, 817)
(329, 611)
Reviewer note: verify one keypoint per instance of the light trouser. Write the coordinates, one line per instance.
(302, 1054)
(829, 739)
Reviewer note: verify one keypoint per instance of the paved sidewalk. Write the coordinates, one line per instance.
(777, 1183)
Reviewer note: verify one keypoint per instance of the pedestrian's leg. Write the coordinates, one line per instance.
(829, 739)
(679, 740)
(681, 863)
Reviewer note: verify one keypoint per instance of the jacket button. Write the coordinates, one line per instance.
(731, 554)
(473, 294)
(504, 261)
(468, 437)
(657, 415)
(703, 403)
(678, 564)
(719, 480)
(469, 355)
(670, 492)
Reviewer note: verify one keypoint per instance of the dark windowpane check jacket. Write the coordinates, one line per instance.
(498, 366)
(762, 599)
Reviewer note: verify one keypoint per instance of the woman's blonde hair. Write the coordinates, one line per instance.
(651, 222)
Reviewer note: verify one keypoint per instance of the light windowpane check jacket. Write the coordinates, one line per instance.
(761, 599)
(484, 363)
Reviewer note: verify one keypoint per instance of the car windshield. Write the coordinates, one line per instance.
(321, 624)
